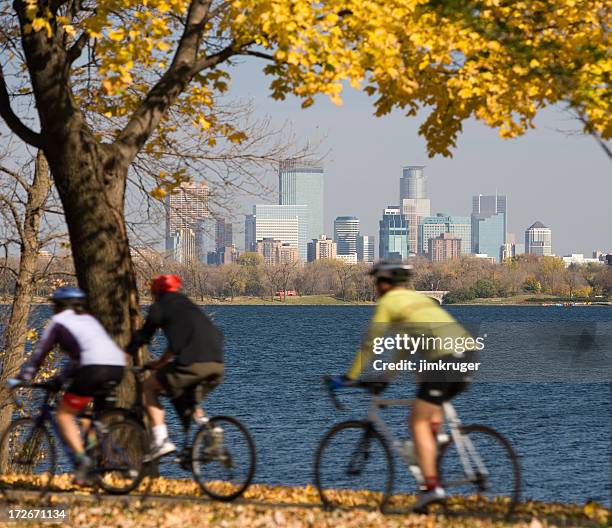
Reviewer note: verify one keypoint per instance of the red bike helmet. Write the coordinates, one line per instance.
(165, 283)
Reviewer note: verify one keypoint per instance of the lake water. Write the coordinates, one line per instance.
(275, 356)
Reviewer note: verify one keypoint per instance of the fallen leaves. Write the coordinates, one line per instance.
(173, 503)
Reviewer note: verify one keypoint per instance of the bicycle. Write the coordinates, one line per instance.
(222, 464)
(461, 465)
(29, 456)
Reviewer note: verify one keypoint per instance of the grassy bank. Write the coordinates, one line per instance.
(170, 503)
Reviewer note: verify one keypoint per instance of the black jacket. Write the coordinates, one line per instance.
(191, 335)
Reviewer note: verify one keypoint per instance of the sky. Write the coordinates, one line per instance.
(563, 180)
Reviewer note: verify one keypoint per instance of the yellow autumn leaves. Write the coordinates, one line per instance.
(498, 62)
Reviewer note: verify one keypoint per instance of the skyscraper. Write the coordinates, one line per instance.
(393, 241)
(346, 231)
(488, 234)
(414, 203)
(186, 206)
(413, 183)
(186, 214)
(434, 226)
(365, 248)
(301, 183)
(538, 239)
(415, 210)
(223, 234)
(490, 204)
(280, 222)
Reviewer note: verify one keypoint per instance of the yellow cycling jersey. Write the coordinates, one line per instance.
(420, 314)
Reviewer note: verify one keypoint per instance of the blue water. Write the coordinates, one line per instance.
(275, 356)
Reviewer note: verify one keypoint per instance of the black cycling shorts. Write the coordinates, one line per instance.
(96, 381)
(438, 392)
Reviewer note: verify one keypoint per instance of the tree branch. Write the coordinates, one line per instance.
(259, 54)
(165, 92)
(13, 121)
(74, 52)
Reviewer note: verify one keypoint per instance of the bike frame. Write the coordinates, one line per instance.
(471, 461)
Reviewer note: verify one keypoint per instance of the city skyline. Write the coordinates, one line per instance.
(366, 153)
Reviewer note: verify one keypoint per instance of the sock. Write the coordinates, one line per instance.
(431, 482)
(160, 433)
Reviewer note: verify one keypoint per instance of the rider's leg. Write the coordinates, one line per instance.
(423, 416)
(151, 390)
(66, 420)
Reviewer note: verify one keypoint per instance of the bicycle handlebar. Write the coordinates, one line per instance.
(331, 393)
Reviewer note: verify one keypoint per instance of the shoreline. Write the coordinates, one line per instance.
(329, 300)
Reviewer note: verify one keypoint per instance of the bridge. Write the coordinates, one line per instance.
(437, 295)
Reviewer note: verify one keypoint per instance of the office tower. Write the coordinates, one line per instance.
(415, 209)
(506, 251)
(488, 234)
(223, 234)
(275, 252)
(413, 183)
(414, 204)
(186, 206)
(206, 245)
(301, 183)
(186, 209)
(280, 222)
(434, 226)
(249, 233)
(538, 240)
(365, 248)
(492, 204)
(346, 231)
(444, 247)
(393, 235)
(322, 248)
(183, 246)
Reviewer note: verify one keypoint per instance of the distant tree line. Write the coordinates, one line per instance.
(465, 279)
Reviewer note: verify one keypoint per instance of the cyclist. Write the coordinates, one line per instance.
(95, 369)
(191, 366)
(399, 305)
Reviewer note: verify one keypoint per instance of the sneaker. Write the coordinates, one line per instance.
(160, 450)
(200, 420)
(426, 498)
(81, 472)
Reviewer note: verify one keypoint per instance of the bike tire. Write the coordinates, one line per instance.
(368, 434)
(19, 476)
(119, 457)
(221, 489)
(498, 505)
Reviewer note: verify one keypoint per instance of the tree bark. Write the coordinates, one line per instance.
(17, 328)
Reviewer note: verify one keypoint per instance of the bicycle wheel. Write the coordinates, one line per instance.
(118, 457)
(27, 458)
(494, 494)
(353, 455)
(224, 471)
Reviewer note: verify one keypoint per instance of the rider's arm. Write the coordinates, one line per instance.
(47, 341)
(143, 336)
(364, 354)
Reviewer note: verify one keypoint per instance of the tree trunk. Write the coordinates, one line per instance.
(20, 308)
(91, 184)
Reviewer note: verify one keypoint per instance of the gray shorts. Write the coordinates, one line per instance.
(195, 380)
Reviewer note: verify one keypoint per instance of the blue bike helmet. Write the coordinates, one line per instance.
(67, 294)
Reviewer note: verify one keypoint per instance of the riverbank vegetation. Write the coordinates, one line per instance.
(523, 280)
